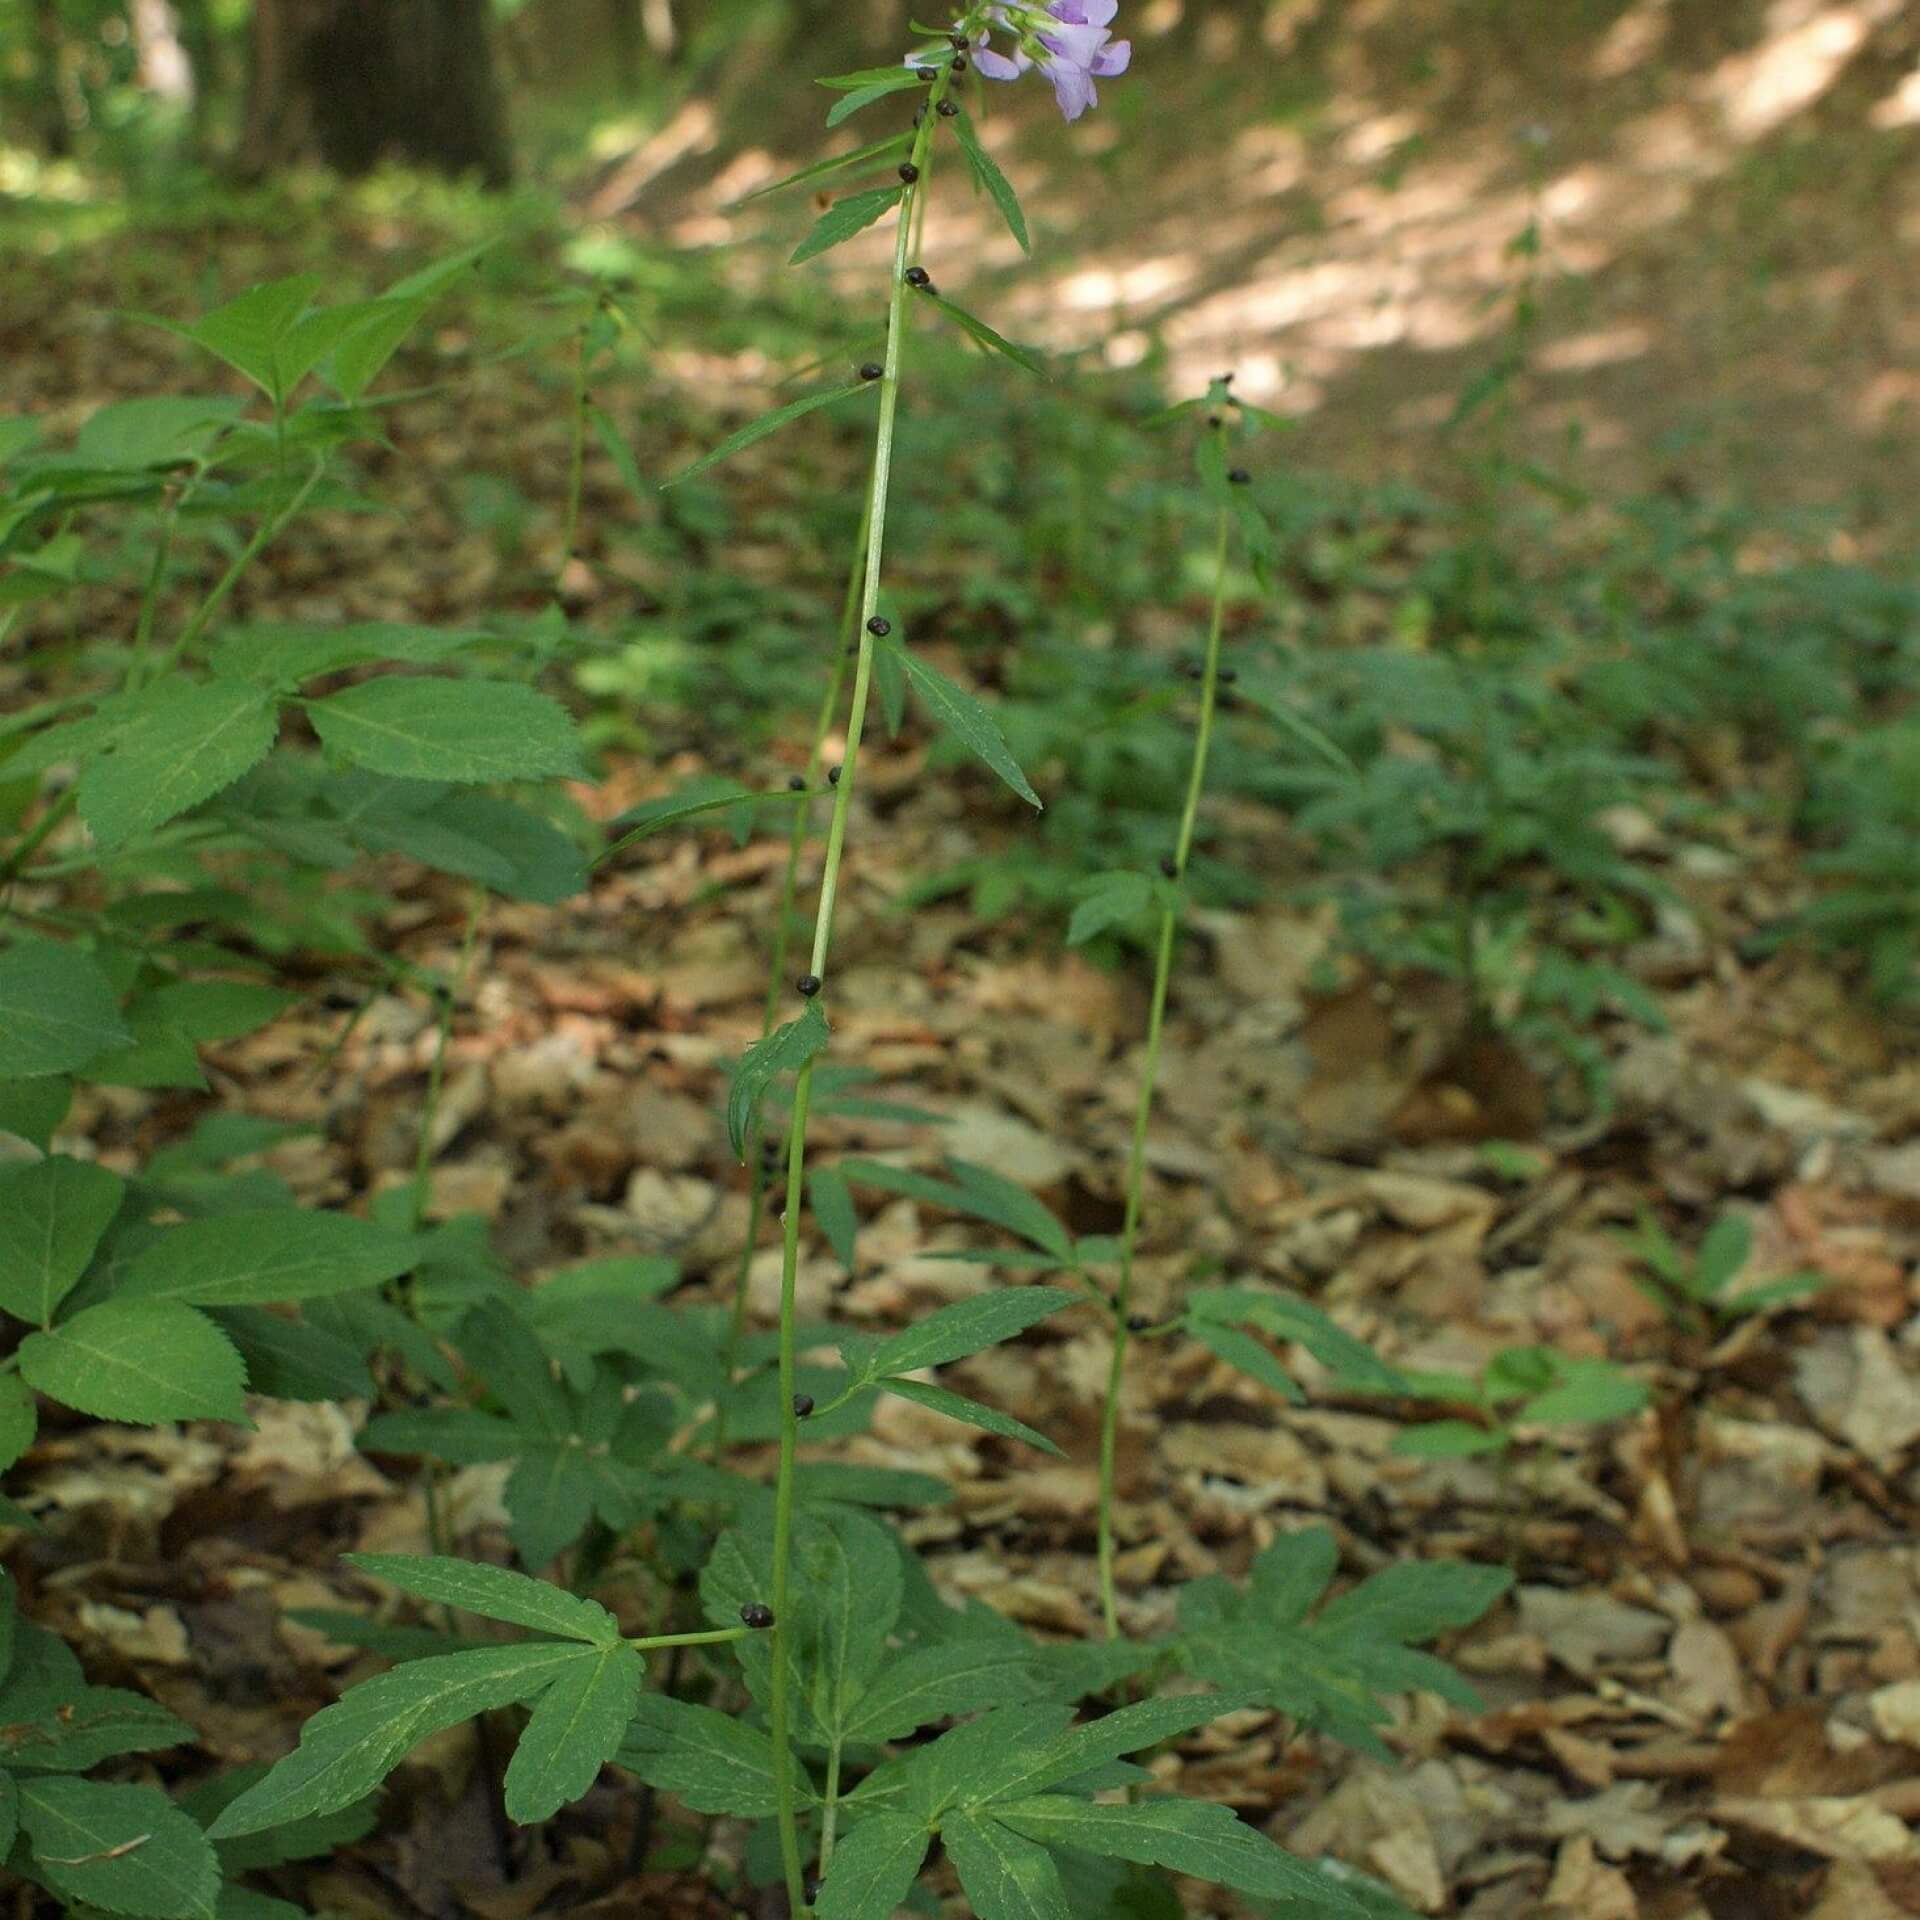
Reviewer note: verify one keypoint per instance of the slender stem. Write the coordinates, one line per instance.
(577, 460)
(777, 1702)
(710, 1637)
(150, 599)
(1149, 1071)
(782, 942)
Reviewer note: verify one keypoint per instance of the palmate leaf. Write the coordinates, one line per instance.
(1003, 1874)
(57, 1010)
(459, 730)
(577, 1724)
(143, 1361)
(495, 1593)
(277, 1253)
(844, 219)
(787, 1049)
(1193, 1837)
(52, 1215)
(766, 424)
(967, 720)
(873, 1869)
(119, 1849)
(713, 1762)
(347, 1749)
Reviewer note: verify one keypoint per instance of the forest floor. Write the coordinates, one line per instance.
(1702, 1700)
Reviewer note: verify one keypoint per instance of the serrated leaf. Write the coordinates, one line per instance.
(867, 94)
(57, 1010)
(1196, 1837)
(142, 1361)
(768, 423)
(459, 730)
(1094, 1743)
(986, 170)
(970, 1413)
(787, 1049)
(697, 798)
(848, 1567)
(52, 1216)
(247, 331)
(299, 1840)
(347, 1749)
(575, 1727)
(874, 1868)
(1003, 1874)
(1107, 901)
(967, 1326)
(714, 1762)
(1415, 1600)
(844, 219)
(289, 1359)
(277, 1253)
(833, 1208)
(977, 329)
(967, 720)
(122, 1849)
(494, 1592)
(876, 151)
(87, 1726)
(931, 1683)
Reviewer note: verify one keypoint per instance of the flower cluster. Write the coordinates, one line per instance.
(1070, 41)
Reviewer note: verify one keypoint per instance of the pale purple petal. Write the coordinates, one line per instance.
(1075, 44)
(996, 66)
(1072, 87)
(1112, 59)
(1084, 13)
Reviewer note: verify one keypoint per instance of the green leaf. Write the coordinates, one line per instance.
(52, 1216)
(876, 152)
(144, 1361)
(347, 1749)
(833, 1208)
(844, 219)
(876, 89)
(209, 1011)
(34, 1109)
(1587, 1393)
(122, 1849)
(576, 1725)
(1109, 900)
(1196, 1837)
(848, 1569)
(9, 1813)
(873, 1868)
(57, 1010)
(1003, 1874)
(495, 1593)
(152, 430)
(1094, 1743)
(1725, 1250)
(89, 1725)
(992, 1196)
(986, 171)
(714, 1762)
(966, 1327)
(277, 1253)
(617, 450)
(915, 1689)
(766, 424)
(1415, 1600)
(970, 722)
(1283, 1316)
(289, 1359)
(978, 329)
(708, 794)
(246, 333)
(360, 356)
(1449, 1440)
(459, 730)
(787, 1049)
(19, 1422)
(970, 1413)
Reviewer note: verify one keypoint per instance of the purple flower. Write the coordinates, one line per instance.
(1070, 41)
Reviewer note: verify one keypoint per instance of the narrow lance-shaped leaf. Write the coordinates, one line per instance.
(766, 424)
(970, 1413)
(876, 152)
(973, 325)
(873, 1868)
(968, 721)
(786, 1049)
(844, 219)
(986, 170)
(494, 1592)
(967, 1327)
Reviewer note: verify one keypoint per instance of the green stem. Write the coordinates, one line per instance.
(711, 1637)
(830, 1808)
(782, 943)
(1150, 1067)
(576, 462)
(778, 1706)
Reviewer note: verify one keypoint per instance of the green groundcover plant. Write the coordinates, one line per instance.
(187, 813)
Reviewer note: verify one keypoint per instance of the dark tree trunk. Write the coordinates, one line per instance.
(56, 132)
(361, 81)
